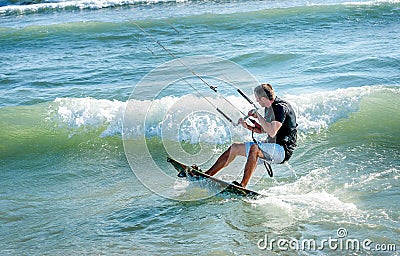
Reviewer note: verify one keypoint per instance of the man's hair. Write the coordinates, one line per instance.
(265, 90)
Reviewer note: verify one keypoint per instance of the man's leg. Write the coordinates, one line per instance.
(251, 164)
(236, 149)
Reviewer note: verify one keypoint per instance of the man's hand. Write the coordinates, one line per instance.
(242, 122)
(253, 113)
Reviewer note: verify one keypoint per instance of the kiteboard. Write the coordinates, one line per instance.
(196, 174)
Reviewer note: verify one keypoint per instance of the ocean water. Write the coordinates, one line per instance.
(87, 121)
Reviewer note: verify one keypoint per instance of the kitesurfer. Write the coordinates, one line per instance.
(278, 122)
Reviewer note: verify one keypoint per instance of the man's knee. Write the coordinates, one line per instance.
(255, 150)
(237, 149)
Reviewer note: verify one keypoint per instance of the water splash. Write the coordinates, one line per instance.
(315, 113)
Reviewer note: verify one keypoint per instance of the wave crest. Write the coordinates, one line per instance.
(315, 112)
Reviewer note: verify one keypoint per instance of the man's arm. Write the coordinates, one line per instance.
(270, 128)
(256, 128)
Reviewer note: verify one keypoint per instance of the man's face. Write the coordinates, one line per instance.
(263, 101)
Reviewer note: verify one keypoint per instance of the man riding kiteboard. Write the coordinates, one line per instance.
(279, 123)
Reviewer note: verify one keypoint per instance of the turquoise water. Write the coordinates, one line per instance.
(68, 70)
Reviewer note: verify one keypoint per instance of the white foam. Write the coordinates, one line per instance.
(316, 111)
(357, 3)
(372, 179)
(373, 2)
(85, 114)
(99, 4)
(78, 4)
(308, 197)
(191, 118)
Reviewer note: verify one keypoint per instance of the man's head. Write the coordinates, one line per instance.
(265, 95)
